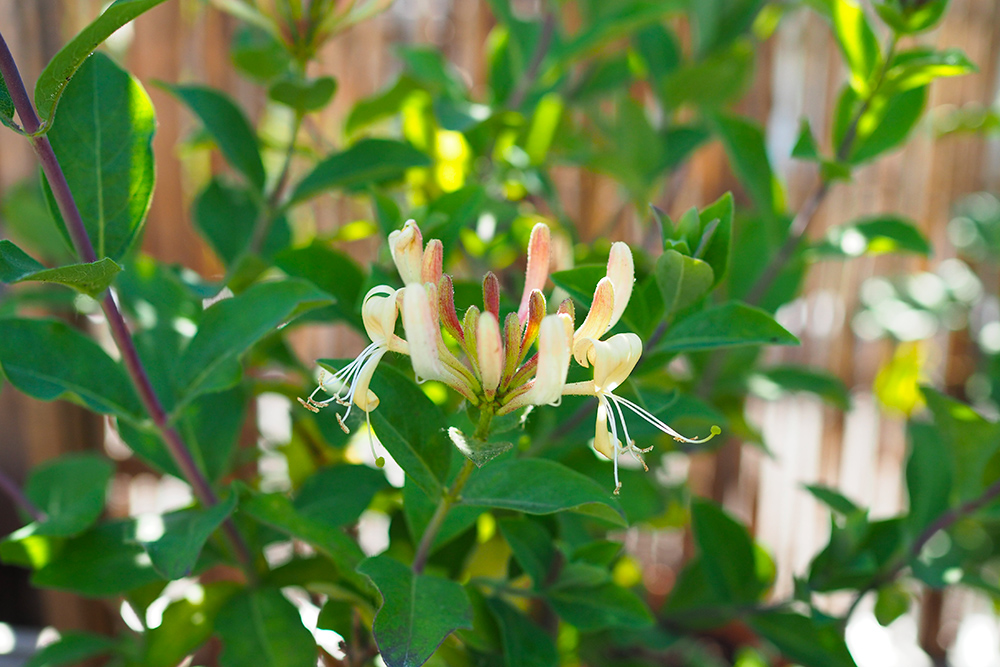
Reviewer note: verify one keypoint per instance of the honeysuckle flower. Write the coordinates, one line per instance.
(497, 372)
(613, 361)
(349, 385)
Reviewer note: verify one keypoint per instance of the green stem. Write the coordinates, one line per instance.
(450, 497)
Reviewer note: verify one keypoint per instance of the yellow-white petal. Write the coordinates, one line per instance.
(602, 438)
(554, 338)
(378, 313)
(613, 359)
(421, 333)
(407, 248)
(621, 273)
(489, 350)
(596, 322)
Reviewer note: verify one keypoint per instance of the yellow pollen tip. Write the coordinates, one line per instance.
(308, 405)
(380, 462)
(343, 426)
(715, 431)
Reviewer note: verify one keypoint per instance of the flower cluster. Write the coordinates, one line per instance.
(487, 360)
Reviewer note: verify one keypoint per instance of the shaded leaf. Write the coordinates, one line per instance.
(418, 611)
(71, 491)
(260, 628)
(227, 217)
(227, 125)
(929, 474)
(72, 648)
(874, 235)
(186, 625)
(727, 553)
(729, 325)
(231, 326)
(599, 607)
(367, 162)
(773, 382)
(91, 279)
(339, 494)
(525, 644)
(803, 640)
(174, 541)
(539, 486)
(744, 144)
(47, 359)
(304, 96)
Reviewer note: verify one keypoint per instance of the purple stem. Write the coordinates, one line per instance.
(15, 493)
(181, 454)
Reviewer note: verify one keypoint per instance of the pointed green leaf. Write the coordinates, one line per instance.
(409, 426)
(805, 146)
(231, 326)
(104, 144)
(874, 236)
(91, 279)
(732, 324)
(72, 648)
(186, 625)
(744, 144)
(103, 562)
(682, 280)
(174, 541)
(833, 499)
(539, 486)
(922, 68)
(227, 217)
(71, 491)
(804, 640)
(304, 96)
(260, 628)
(525, 644)
(367, 162)
(59, 72)
(6, 106)
(339, 494)
(777, 381)
(228, 127)
(598, 607)
(418, 611)
(929, 475)
(47, 359)
(727, 553)
(857, 42)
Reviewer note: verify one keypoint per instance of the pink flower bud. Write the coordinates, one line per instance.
(537, 271)
(491, 294)
(433, 262)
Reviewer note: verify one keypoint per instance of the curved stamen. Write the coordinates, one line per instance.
(649, 417)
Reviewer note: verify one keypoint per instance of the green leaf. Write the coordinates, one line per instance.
(7, 107)
(333, 271)
(618, 20)
(715, 236)
(773, 382)
(531, 545)
(919, 68)
(744, 144)
(260, 628)
(53, 80)
(971, 441)
(911, 18)
(833, 499)
(103, 562)
(892, 602)
(91, 279)
(803, 639)
(47, 360)
(104, 142)
(525, 644)
(337, 495)
(598, 607)
(367, 162)
(884, 125)
(258, 54)
(730, 325)
(304, 96)
(929, 475)
(71, 491)
(174, 541)
(276, 510)
(72, 648)
(231, 326)
(682, 280)
(874, 236)
(727, 553)
(186, 625)
(712, 82)
(539, 486)
(805, 146)
(857, 42)
(227, 217)
(381, 105)
(722, 21)
(418, 611)
(410, 427)
(227, 125)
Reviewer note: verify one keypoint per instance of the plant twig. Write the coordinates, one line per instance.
(943, 522)
(534, 67)
(14, 492)
(437, 520)
(176, 446)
